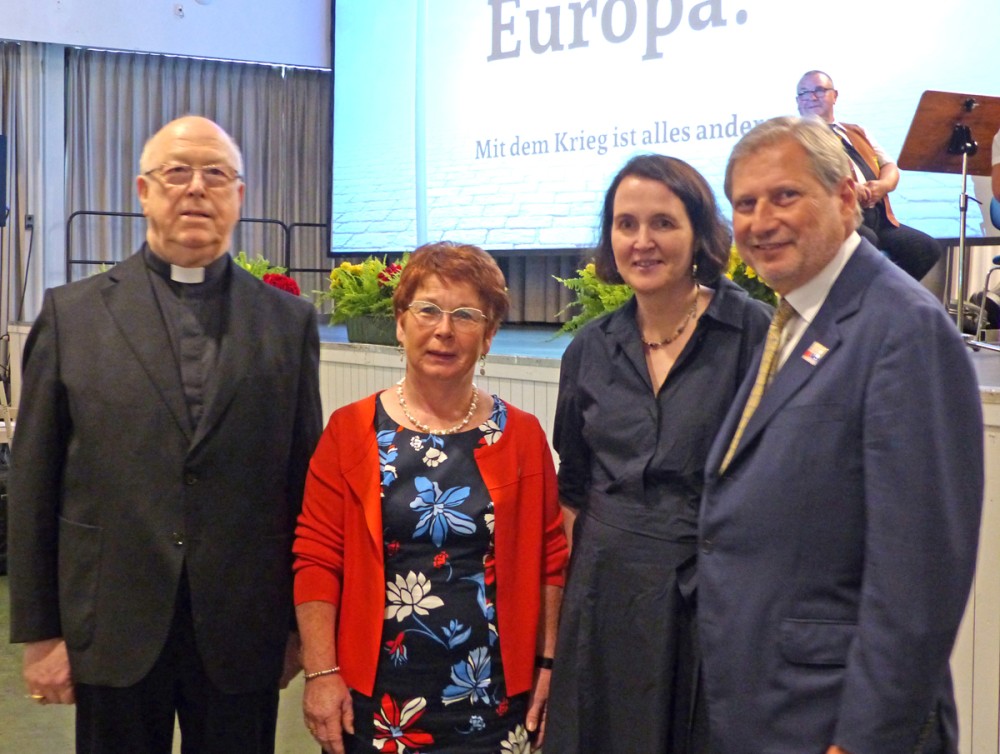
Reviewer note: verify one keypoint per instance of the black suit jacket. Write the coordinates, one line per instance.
(112, 495)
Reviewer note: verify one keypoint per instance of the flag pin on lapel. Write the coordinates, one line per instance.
(815, 352)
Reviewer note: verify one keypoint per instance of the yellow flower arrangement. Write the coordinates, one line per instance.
(594, 297)
(746, 277)
(363, 288)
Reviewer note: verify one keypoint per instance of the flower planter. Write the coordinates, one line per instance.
(378, 330)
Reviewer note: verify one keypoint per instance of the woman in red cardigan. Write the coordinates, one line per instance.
(430, 552)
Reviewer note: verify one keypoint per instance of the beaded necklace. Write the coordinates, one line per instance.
(680, 328)
(424, 427)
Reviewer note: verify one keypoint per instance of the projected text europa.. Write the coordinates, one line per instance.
(574, 25)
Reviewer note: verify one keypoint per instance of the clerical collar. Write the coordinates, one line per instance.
(186, 275)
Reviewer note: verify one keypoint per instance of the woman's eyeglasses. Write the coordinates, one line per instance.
(429, 315)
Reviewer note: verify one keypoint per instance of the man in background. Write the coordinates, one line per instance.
(840, 517)
(168, 412)
(875, 175)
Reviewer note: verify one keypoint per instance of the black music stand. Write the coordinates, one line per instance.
(944, 137)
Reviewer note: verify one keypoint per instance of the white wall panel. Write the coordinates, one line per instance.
(289, 32)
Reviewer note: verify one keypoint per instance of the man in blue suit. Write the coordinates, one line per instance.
(840, 522)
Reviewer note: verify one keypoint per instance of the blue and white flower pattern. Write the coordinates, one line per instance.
(470, 679)
(492, 428)
(387, 454)
(517, 742)
(437, 511)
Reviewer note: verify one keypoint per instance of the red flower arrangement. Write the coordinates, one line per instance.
(282, 282)
(385, 276)
(271, 274)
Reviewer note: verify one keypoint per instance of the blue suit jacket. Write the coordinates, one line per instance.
(838, 548)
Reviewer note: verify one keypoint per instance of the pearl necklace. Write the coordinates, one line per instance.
(680, 328)
(425, 428)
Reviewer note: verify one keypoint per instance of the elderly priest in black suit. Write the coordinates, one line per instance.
(168, 413)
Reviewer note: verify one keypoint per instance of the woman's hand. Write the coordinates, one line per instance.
(326, 701)
(537, 706)
(326, 705)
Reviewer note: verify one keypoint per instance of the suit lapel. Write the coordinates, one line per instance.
(720, 445)
(843, 301)
(793, 375)
(132, 305)
(244, 325)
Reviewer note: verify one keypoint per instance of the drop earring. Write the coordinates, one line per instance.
(694, 270)
(402, 353)
(482, 365)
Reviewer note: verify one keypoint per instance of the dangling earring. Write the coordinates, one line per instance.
(402, 353)
(482, 365)
(694, 270)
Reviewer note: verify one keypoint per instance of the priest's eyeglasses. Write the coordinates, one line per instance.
(213, 176)
(463, 318)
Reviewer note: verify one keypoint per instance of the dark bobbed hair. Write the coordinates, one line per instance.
(712, 238)
(455, 263)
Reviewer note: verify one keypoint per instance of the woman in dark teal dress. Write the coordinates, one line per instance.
(641, 394)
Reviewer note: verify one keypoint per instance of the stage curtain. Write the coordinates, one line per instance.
(15, 103)
(280, 117)
(10, 62)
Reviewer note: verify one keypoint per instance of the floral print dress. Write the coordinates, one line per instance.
(439, 687)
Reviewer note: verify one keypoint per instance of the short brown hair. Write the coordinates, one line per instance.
(455, 263)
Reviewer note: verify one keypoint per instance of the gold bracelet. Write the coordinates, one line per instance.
(318, 673)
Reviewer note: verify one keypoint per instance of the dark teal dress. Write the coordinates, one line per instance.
(439, 687)
(632, 462)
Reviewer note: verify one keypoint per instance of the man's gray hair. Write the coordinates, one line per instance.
(828, 161)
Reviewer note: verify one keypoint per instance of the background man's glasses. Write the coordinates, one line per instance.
(818, 92)
(213, 176)
(463, 318)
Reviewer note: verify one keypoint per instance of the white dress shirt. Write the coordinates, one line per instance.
(808, 299)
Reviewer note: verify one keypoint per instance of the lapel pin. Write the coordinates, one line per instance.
(815, 352)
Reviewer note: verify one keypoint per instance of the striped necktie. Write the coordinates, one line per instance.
(766, 371)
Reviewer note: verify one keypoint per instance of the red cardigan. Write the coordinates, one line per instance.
(339, 553)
